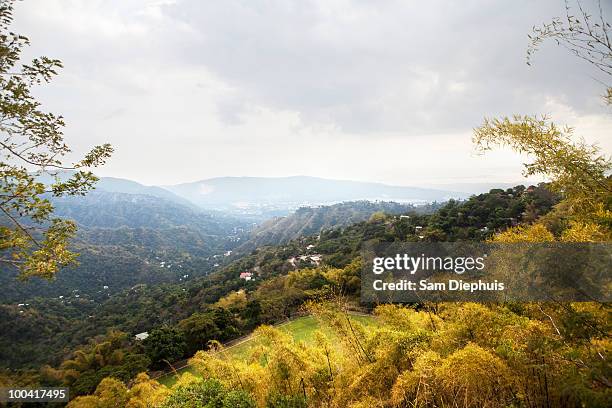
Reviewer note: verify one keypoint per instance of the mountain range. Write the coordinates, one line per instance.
(266, 197)
(247, 194)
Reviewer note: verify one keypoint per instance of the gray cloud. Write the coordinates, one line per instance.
(386, 65)
(332, 88)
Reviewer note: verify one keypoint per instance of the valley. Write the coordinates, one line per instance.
(141, 276)
(305, 204)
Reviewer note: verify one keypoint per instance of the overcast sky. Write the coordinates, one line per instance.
(383, 91)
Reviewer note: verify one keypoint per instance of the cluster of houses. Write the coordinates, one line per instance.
(63, 298)
(163, 264)
(314, 259)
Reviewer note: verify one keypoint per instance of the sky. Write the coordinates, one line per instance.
(385, 91)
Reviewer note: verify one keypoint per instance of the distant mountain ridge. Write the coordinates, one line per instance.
(233, 193)
(263, 198)
(121, 185)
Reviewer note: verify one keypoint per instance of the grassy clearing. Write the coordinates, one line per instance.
(302, 329)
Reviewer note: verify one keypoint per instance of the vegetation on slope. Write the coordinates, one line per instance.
(308, 221)
(278, 289)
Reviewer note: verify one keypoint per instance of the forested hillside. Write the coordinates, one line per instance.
(182, 319)
(307, 221)
(102, 209)
(157, 240)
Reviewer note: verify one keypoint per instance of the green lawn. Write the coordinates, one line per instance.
(302, 329)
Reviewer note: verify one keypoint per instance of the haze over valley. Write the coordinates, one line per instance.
(265, 196)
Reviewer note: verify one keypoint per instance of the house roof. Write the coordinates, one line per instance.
(142, 336)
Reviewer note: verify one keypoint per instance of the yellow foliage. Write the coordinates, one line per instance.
(475, 355)
(603, 215)
(347, 279)
(475, 377)
(469, 377)
(235, 300)
(528, 233)
(415, 386)
(334, 275)
(405, 318)
(577, 170)
(214, 364)
(147, 393)
(585, 232)
(473, 322)
(110, 393)
(377, 217)
(367, 402)
(185, 380)
(88, 401)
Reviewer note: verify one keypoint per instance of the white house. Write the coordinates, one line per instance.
(142, 336)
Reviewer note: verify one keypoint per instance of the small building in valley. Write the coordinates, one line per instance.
(142, 336)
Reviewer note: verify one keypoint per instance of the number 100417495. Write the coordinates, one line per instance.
(47, 394)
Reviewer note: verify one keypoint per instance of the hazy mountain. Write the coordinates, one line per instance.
(248, 193)
(120, 185)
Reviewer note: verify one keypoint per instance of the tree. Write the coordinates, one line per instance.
(31, 146)
(581, 33)
(109, 393)
(580, 174)
(146, 393)
(579, 171)
(199, 328)
(110, 356)
(584, 35)
(208, 393)
(165, 344)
